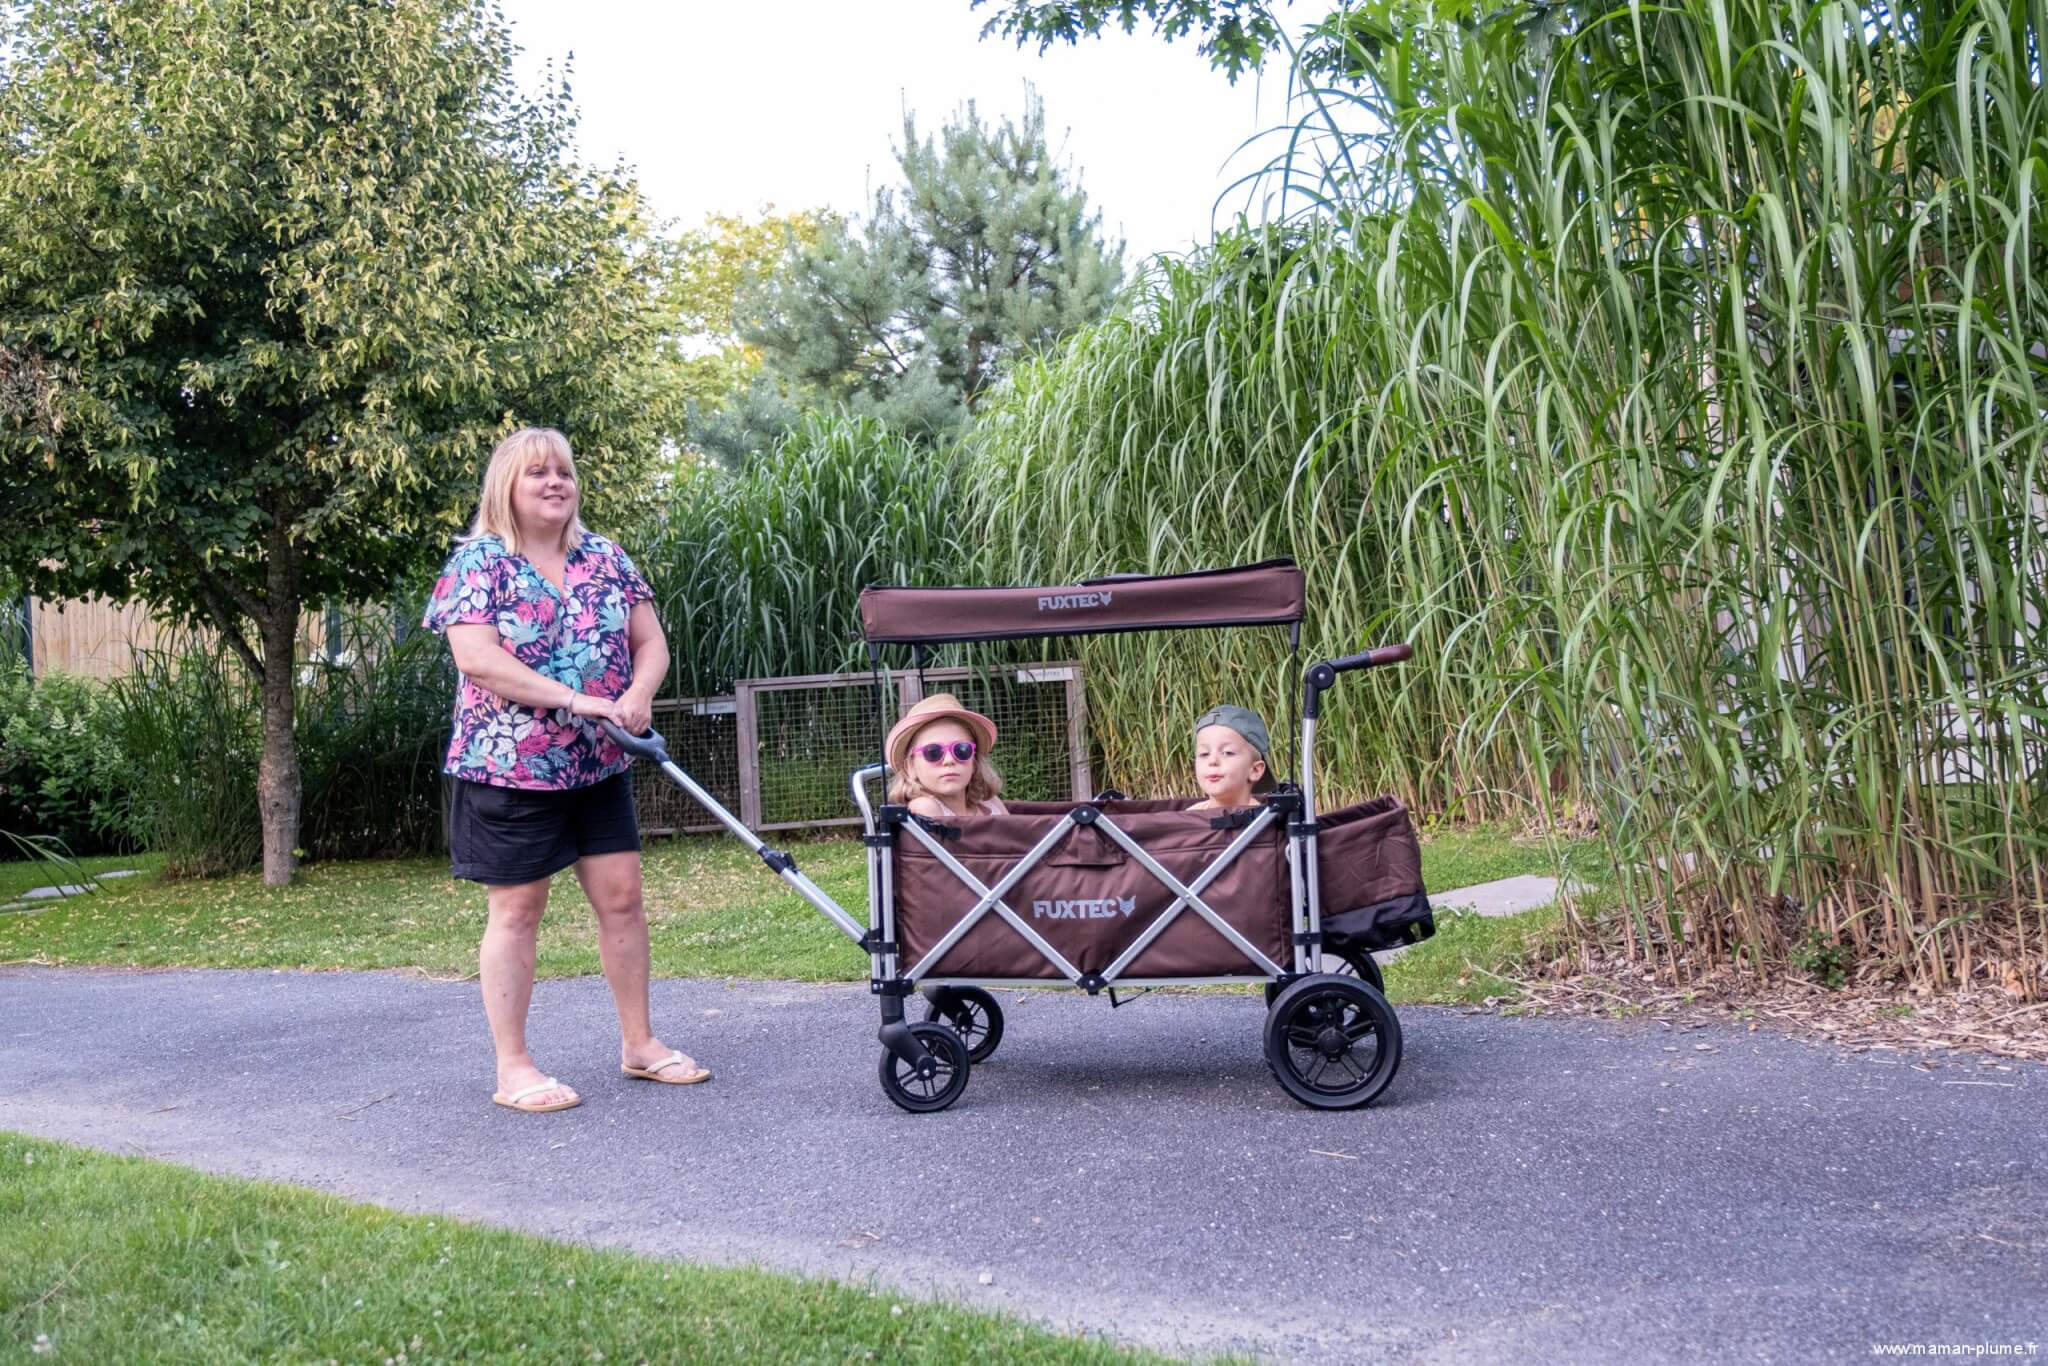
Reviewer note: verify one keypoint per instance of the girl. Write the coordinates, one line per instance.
(938, 753)
(1230, 758)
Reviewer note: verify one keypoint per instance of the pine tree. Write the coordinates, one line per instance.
(987, 249)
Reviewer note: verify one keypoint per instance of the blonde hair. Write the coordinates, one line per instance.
(509, 459)
(984, 785)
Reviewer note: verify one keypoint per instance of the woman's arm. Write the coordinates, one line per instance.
(480, 654)
(650, 666)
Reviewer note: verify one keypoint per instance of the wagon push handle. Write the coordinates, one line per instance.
(652, 747)
(648, 746)
(1322, 677)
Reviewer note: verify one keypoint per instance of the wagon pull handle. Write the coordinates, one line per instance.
(1372, 659)
(1322, 677)
(648, 746)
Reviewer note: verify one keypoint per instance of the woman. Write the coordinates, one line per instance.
(553, 631)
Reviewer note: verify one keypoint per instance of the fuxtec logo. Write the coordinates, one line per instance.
(1098, 908)
(1066, 602)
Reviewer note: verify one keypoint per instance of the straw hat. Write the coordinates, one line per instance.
(940, 706)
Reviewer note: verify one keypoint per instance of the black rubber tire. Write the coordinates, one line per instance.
(974, 1015)
(1356, 962)
(923, 1096)
(1313, 1037)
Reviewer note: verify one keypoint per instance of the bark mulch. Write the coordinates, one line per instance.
(1868, 1015)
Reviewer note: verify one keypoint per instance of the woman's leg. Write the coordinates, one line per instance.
(612, 882)
(505, 969)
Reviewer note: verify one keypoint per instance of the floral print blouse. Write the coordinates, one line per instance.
(577, 636)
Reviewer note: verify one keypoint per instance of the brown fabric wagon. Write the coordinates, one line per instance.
(1119, 893)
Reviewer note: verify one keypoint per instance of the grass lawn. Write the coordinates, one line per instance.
(19, 876)
(121, 1259)
(713, 911)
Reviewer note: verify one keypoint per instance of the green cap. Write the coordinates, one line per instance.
(1244, 721)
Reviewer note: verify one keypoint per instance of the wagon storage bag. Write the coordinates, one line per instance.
(1089, 899)
(1369, 866)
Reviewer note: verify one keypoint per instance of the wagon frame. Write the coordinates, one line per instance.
(1331, 1039)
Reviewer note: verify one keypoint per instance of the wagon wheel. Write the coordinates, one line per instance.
(1349, 961)
(1353, 961)
(1333, 1042)
(974, 1015)
(923, 1095)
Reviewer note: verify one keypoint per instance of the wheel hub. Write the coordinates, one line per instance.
(1331, 1043)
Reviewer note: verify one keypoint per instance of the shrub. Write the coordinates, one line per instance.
(64, 774)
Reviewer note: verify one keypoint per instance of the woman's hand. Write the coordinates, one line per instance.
(633, 713)
(592, 708)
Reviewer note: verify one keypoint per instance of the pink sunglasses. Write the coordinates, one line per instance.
(963, 750)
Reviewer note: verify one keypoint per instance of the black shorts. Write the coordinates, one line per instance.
(510, 835)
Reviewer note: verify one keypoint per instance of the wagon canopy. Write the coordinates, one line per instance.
(1265, 594)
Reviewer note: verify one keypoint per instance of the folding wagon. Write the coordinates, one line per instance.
(1113, 892)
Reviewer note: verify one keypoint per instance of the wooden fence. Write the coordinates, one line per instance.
(93, 638)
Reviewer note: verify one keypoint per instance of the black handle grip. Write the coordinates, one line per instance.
(1322, 677)
(648, 746)
(1372, 659)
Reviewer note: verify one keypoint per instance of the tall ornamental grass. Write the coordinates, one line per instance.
(1674, 377)
(759, 572)
(1232, 415)
(372, 721)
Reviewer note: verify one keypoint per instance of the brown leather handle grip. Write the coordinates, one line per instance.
(1372, 659)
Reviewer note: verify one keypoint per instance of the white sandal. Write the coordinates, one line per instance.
(515, 1101)
(691, 1078)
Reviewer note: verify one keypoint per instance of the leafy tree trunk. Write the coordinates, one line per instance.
(277, 775)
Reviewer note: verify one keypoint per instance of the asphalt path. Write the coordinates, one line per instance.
(1528, 1189)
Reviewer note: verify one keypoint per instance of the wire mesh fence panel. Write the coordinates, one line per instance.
(783, 756)
(703, 739)
(809, 736)
(1041, 748)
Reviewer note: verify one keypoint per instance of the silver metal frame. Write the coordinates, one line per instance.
(879, 936)
(1187, 896)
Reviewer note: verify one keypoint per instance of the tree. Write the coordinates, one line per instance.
(987, 248)
(283, 272)
(1235, 35)
(710, 267)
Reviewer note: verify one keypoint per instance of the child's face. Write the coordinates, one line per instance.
(1226, 765)
(948, 776)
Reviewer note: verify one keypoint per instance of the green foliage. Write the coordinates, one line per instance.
(1225, 418)
(708, 269)
(331, 249)
(1235, 35)
(282, 272)
(986, 251)
(373, 733)
(758, 572)
(1663, 375)
(1824, 958)
(189, 724)
(63, 773)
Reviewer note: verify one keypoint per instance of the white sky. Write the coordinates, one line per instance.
(725, 107)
